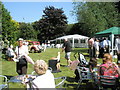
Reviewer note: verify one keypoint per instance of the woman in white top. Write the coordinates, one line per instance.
(45, 78)
(22, 55)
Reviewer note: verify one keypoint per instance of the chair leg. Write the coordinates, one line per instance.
(79, 83)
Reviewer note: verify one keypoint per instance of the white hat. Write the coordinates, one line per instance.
(20, 39)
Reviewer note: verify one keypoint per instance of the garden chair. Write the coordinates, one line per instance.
(83, 74)
(3, 82)
(108, 82)
(61, 81)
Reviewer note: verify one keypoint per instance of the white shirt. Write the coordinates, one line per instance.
(10, 52)
(44, 81)
(22, 50)
(117, 44)
(96, 45)
(106, 43)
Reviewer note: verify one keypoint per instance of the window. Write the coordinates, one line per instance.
(76, 41)
(82, 41)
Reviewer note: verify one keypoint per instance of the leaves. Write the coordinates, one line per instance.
(52, 24)
(9, 26)
(96, 16)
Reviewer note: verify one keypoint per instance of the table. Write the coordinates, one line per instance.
(24, 79)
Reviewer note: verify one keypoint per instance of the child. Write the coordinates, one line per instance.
(58, 61)
(92, 64)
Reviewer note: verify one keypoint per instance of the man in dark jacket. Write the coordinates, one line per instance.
(67, 48)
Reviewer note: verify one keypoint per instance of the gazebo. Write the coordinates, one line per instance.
(76, 40)
(111, 32)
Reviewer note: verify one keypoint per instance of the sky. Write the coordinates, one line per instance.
(32, 11)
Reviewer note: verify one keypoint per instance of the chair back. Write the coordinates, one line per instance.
(83, 61)
(3, 82)
(108, 81)
(61, 81)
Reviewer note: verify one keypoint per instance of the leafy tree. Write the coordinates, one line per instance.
(68, 28)
(96, 16)
(52, 24)
(27, 31)
(78, 28)
(9, 26)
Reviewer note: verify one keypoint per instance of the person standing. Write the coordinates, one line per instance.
(107, 45)
(91, 47)
(21, 52)
(67, 48)
(117, 44)
(96, 46)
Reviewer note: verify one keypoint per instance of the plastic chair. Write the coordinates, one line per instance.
(60, 84)
(109, 82)
(4, 83)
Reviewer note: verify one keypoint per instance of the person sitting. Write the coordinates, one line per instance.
(45, 78)
(92, 64)
(58, 61)
(108, 68)
(10, 53)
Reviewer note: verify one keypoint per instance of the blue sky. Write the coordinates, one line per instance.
(32, 11)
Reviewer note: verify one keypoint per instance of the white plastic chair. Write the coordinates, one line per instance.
(4, 83)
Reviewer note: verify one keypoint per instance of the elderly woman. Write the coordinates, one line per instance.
(21, 54)
(45, 78)
(108, 68)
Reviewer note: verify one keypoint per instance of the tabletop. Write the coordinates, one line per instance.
(22, 78)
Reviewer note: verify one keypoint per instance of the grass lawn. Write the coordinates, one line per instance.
(9, 67)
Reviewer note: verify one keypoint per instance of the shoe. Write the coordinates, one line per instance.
(67, 66)
(59, 71)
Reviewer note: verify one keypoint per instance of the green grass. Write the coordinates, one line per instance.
(9, 67)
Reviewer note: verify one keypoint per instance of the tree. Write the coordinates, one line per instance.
(9, 26)
(52, 24)
(27, 31)
(78, 28)
(96, 16)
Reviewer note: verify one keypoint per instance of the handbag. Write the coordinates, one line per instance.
(22, 59)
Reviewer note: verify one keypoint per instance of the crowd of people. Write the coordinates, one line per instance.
(98, 48)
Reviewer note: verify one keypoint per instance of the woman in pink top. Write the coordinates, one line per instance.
(108, 68)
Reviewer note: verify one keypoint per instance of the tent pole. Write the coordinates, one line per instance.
(73, 43)
(112, 41)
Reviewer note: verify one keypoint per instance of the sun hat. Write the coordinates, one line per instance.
(20, 39)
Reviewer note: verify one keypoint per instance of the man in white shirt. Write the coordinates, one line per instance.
(107, 45)
(117, 45)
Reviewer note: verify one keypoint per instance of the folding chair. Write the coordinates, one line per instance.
(107, 82)
(82, 71)
(3, 82)
(83, 61)
(84, 75)
(61, 81)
